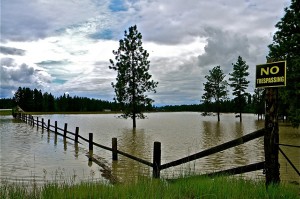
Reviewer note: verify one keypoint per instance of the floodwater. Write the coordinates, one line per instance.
(31, 154)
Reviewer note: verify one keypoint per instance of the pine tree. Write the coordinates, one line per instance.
(215, 88)
(133, 79)
(239, 84)
(286, 46)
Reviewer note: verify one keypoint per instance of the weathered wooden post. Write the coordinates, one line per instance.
(114, 149)
(271, 138)
(65, 130)
(48, 126)
(55, 127)
(90, 146)
(156, 160)
(37, 122)
(90, 141)
(76, 134)
(42, 124)
(270, 76)
(32, 121)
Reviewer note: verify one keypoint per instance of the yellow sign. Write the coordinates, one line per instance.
(271, 74)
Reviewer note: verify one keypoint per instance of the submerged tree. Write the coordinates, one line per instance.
(215, 88)
(286, 46)
(239, 84)
(259, 102)
(133, 79)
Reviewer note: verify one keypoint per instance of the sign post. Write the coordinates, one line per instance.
(271, 76)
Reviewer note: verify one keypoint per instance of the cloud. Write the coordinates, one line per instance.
(32, 20)
(14, 75)
(11, 51)
(223, 48)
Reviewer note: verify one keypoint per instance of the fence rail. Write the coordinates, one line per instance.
(156, 163)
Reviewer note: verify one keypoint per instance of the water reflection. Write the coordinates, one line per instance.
(134, 142)
(27, 156)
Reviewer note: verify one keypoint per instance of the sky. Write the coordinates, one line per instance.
(64, 46)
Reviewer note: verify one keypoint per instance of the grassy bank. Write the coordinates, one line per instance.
(194, 187)
(5, 112)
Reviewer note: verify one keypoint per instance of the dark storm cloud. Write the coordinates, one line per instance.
(14, 75)
(11, 51)
(10, 71)
(223, 48)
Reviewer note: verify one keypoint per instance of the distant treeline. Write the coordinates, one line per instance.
(227, 106)
(36, 101)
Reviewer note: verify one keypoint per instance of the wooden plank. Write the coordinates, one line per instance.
(239, 170)
(135, 158)
(215, 149)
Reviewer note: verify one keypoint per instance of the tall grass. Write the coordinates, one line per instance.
(191, 187)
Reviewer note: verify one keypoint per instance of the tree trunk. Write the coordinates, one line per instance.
(134, 120)
(218, 109)
(240, 116)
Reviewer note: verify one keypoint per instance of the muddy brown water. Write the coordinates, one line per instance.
(31, 155)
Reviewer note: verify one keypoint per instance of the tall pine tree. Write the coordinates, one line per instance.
(286, 46)
(133, 80)
(215, 88)
(239, 84)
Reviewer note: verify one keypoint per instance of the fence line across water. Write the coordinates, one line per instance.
(156, 163)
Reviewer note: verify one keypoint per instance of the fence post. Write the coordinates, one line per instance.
(156, 159)
(65, 130)
(271, 138)
(32, 121)
(90, 141)
(37, 122)
(55, 127)
(114, 149)
(43, 124)
(90, 147)
(48, 127)
(76, 134)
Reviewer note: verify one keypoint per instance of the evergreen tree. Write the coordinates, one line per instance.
(286, 46)
(215, 88)
(259, 101)
(239, 84)
(133, 80)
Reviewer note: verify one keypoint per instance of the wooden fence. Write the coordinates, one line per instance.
(156, 165)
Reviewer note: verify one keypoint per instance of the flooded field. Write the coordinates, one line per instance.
(29, 154)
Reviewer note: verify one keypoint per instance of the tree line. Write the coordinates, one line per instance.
(36, 101)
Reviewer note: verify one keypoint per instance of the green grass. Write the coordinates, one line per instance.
(6, 112)
(192, 187)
